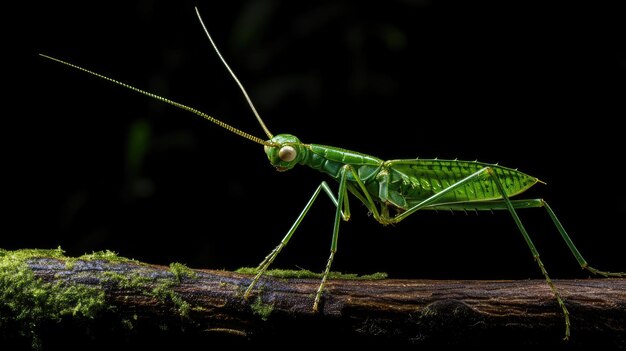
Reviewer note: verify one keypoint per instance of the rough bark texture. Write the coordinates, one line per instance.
(398, 312)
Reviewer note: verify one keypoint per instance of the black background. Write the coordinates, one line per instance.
(93, 166)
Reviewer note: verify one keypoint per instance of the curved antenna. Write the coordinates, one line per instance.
(168, 101)
(243, 90)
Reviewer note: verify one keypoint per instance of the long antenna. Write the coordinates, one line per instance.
(243, 90)
(168, 101)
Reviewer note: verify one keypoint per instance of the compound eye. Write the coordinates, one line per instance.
(287, 153)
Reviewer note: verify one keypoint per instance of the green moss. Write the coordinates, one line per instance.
(303, 273)
(128, 281)
(28, 301)
(181, 271)
(105, 255)
(263, 310)
(161, 289)
(127, 324)
(374, 276)
(25, 254)
(164, 293)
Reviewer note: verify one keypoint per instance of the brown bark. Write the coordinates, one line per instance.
(426, 312)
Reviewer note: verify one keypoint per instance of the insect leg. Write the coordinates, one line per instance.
(431, 202)
(573, 248)
(533, 249)
(342, 199)
(272, 255)
(433, 199)
(528, 203)
(364, 195)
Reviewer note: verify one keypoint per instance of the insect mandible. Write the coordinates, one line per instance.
(391, 190)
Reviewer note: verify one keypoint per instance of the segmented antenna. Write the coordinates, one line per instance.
(168, 101)
(243, 90)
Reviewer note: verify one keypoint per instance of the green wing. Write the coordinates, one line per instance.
(412, 181)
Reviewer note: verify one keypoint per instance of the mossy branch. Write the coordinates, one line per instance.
(111, 296)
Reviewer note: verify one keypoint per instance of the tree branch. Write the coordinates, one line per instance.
(135, 298)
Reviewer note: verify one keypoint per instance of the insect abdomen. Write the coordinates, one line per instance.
(416, 180)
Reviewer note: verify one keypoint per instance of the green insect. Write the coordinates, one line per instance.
(391, 190)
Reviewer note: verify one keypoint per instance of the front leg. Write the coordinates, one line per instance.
(272, 255)
(342, 199)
